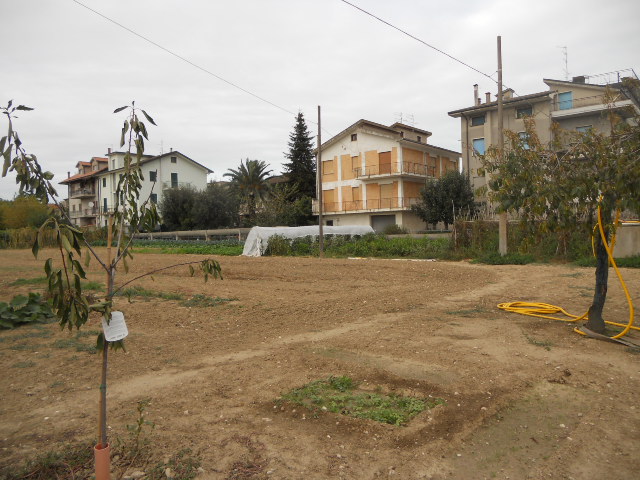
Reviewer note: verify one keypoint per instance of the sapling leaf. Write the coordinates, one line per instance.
(149, 119)
(119, 109)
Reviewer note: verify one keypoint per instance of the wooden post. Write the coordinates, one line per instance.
(319, 169)
(502, 221)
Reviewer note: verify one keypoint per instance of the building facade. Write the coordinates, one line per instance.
(372, 174)
(92, 192)
(82, 195)
(576, 105)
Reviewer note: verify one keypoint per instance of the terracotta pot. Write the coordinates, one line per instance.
(102, 456)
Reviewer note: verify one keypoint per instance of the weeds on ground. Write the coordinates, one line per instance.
(469, 312)
(627, 262)
(140, 292)
(86, 285)
(23, 309)
(203, 301)
(340, 395)
(494, 258)
(74, 342)
(546, 344)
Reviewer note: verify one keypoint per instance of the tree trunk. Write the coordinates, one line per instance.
(596, 322)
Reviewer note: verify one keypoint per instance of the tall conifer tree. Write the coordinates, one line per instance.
(301, 167)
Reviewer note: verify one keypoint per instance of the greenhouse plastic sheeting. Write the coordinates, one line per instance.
(258, 237)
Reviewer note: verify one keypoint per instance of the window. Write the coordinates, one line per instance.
(327, 167)
(524, 112)
(584, 128)
(104, 205)
(478, 146)
(153, 176)
(174, 180)
(154, 198)
(73, 208)
(174, 159)
(329, 223)
(354, 137)
(524, 136)
(565, 100)
(419, 138)
(401, 134)
(104, 183)
(479, 120)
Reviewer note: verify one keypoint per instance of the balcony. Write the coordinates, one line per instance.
(82, 192)
(84, 212)
(361, 206)
(395, 169)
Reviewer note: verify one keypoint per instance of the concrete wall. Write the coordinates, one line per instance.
(627, 240)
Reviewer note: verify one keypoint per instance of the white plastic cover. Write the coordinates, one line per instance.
(258, 237)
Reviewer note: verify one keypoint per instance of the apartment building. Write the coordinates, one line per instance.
(92, 192)
(82, 191)
(373, 173)
(576, 105)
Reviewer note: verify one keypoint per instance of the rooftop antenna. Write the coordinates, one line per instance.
(566, 63)
(406, 119)
(161, 147)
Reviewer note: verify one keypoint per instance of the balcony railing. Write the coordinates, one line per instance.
(84, 212)
(82, 192)
(352, 206)
(396, 168)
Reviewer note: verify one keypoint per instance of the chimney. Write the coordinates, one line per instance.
(475, 94)
(170, 149)
(579, 79)
(68, 174)
(487, 97)
(109, 151)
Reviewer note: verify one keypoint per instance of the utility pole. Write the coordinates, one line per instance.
(319, 170)
(502, 220)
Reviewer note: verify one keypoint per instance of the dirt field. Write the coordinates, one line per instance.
(526, 398)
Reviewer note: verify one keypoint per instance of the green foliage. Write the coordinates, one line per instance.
(226, 247)
(370, 245)
(25, 237)
(284, 207)
(340, 395)
(627, 262)
(494, 258)
(249, 184)
(23, 310)
(395, 230)
(216, 207)
(445, 198)
(177, 206)
(183, 465)
(301, 168)
(23, 211)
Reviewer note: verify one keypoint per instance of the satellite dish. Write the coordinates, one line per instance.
(90, 204)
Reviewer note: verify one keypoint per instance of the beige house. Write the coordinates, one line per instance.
(575, 105)
(83, 190)
(373, 173)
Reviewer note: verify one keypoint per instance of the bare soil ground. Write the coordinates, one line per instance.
(526, 398)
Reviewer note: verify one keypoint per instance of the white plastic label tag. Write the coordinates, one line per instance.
(116, 329)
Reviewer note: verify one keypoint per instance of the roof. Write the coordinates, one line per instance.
(83, 176)
(409, 127)
(489, 106)
(147, 158)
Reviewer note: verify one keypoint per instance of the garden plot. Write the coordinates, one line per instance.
(517, 397)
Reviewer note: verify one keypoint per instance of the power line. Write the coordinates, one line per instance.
(180, 57)
(420, 40)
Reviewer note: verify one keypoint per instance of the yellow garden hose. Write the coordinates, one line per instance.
(545, 310)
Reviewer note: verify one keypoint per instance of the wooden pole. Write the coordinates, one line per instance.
(320, 207)
(502, 221)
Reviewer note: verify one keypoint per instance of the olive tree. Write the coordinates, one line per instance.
(578, 177)
(70, 303)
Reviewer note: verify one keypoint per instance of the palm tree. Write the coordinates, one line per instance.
(249, 181)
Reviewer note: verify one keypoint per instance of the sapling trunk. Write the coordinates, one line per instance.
(596, 321)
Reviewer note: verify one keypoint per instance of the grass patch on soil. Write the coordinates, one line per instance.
(204, 301)
(86, 284)
(546, 344)
(74, 343)
(197, 247)
(494, 258)
(341, 395)
(141, 292)
(627, 262)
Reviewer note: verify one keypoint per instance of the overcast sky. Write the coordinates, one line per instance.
(75, 67)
